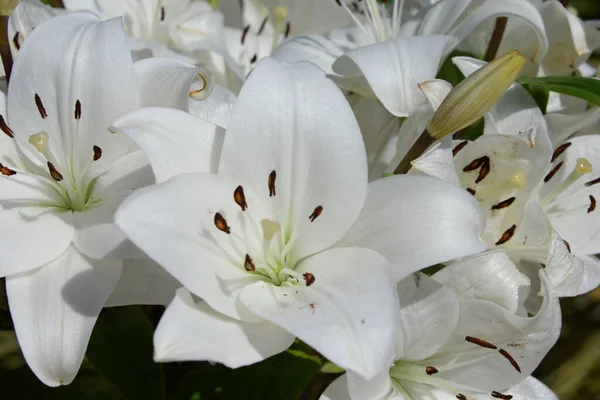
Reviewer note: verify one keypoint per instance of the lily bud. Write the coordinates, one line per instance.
(474, 96)
(7, 6)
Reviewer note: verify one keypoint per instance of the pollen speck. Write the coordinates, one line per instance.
(308, 278)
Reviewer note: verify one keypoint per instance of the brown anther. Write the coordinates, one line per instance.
(221, 223)
(568, 245)
(318, 210)
(245, 33)
(15, 41)
(5, 128)
(472, 191)
(240, 198)
(483, 171)
(502, 396)
(510, 359)
(308, 278)
(592, 182)
(57, 176)
(459, 147)
(97, 153)
(506, 236)
(162, 13)
(480, 342)
(271, 183)
(592, 206)
(6, 171)
(559, 150)
(339, 2)
(476, 163)
(262, 25)
(248, 264)
(40, 106)
(431, 370)
(553, 172)
(253, 59)
(288, 28)
(461, 396)
(77, 109)
(503, 204)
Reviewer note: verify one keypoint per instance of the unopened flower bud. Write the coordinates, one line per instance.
(475, 95)
(7, 6)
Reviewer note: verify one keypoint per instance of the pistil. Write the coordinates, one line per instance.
(582, 167)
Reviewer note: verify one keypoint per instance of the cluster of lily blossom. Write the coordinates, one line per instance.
(235, 164)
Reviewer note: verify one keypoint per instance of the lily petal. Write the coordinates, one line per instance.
(349, 314)
(175, 142)
(428, 222)
(292, 120)
(194, 331)
(27, 15)
(54, 309)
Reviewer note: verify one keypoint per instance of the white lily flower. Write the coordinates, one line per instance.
(530, 189)
(462, 339)
(284, 240)
(64, 174)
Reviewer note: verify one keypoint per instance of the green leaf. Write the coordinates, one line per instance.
(121, 350)
(577, 86)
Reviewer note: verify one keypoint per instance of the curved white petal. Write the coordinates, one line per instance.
(54, 309)
(437, 161)
(143, 282)
(194, 331)
(173, 223)
(410, 61)
(58, 96)
(349, 314)
(25, 17)
(489, 276)
(562, 126)
(526, 340)
(216, 108)
(316, 49)
(165, 82)
(532, 389)
(427, 319)
(175, 142)
(34, 234)
(292, 120)
(428, 222)
(96, 234)
(337, 390)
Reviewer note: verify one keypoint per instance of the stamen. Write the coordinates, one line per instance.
(510, 359)
(480, 342)
(240, 198)
(262, 25)
(39, 141)
(5, 128)
(308, 278)
(593, 182)
(97, 153)
(499, 395)
(484, 171)
(245, 33)
(504, 204)
(248, 264)
(506, 236)
(559, 150)
(582, 167)
(271, 183)
(6, 171)
(568, 245)
(315, 213)
(472, 191)
(162, 13)
(221, 223)
(473, 165)
(553, 172)
(57, 176)
(253, 59)
(461, 396)
(288, 28)
(40, 106)
(77, 109)
(431, 370)
(592, 205)
(15, 40)
(459, 147)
